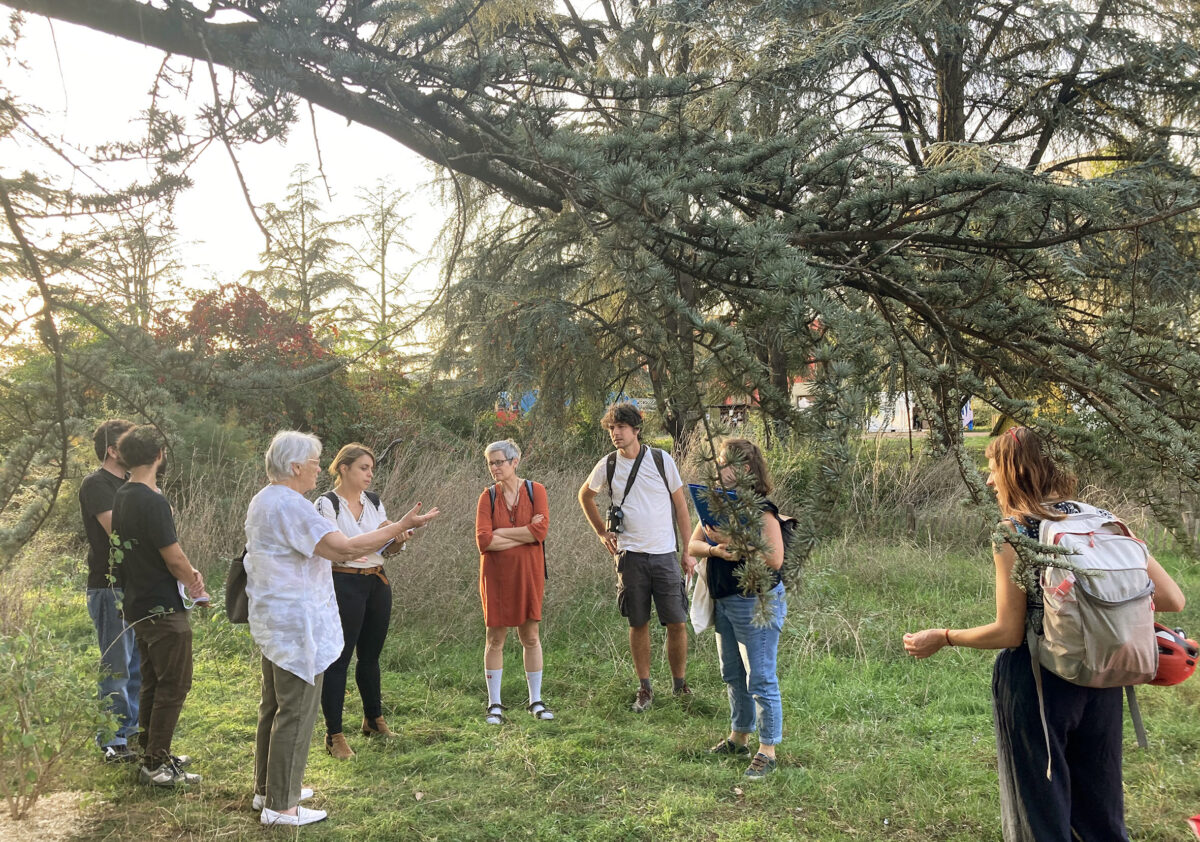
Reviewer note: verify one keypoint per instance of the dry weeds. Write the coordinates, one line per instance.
(55, 817)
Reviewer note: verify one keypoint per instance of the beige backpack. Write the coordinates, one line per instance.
(1098, 626)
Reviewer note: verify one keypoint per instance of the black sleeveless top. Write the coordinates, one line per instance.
(722, 578)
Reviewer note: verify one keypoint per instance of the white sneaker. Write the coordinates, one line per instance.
(168, 774)
(164, 775)
(260, 801)
(303, 816)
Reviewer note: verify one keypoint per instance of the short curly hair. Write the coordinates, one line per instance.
(108, 433)
(140, 446)
(622, 413)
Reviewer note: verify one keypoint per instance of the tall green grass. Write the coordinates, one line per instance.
(876, 745)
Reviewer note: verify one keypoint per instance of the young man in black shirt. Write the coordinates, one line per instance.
(120, 675)
(152, 567)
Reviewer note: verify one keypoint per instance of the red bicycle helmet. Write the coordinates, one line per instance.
(1176, 656)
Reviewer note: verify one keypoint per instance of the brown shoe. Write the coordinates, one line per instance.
(376, 728)
(644, 699)
(336, 745)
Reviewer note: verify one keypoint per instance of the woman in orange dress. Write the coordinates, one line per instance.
(511, 522)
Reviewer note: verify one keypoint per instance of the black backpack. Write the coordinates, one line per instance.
(611, 467)
(787, 529)
(332, 497)
(529, 491)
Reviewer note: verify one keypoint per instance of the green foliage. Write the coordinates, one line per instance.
(303, 265)
(381, 228)
(47, 707)
(258, 365)
(951, 200)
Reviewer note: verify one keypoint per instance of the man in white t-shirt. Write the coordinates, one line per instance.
(640, 530)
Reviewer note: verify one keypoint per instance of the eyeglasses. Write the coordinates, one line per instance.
(496, 463)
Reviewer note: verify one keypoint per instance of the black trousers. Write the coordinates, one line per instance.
(1084, 800)
(365, 605)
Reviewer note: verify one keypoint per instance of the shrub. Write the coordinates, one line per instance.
(47, 707)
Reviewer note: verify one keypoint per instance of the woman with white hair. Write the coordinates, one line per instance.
(511, 521)
(294, 616)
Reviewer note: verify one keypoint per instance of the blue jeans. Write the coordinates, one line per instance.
(120, 666)
(747, 653)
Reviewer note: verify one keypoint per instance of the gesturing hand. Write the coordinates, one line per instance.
(414, 519)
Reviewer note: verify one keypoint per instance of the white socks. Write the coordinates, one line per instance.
(534, 679)
(493, 684)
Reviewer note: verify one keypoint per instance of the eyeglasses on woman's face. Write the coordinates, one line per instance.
(496, 463)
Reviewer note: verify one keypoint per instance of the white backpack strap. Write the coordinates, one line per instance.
(1031, 638)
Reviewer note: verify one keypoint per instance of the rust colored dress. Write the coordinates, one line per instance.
(511, 582)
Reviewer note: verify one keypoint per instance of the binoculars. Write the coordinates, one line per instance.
(614, 520)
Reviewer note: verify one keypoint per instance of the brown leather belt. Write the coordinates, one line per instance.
(363, 571)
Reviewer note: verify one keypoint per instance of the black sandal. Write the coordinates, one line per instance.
(542, 711)
(495, 714)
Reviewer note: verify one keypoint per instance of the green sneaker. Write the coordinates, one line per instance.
(760, 766)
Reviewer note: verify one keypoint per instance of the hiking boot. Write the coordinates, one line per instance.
(729, 748)
(644, 699)
(337, 746)
(376, 728)
(760, 766)
(682, 690)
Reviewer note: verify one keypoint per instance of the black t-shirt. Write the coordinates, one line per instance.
(142, 517)
(722, 578)
(96, 494)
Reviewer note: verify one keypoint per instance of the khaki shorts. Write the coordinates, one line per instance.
(642, 576)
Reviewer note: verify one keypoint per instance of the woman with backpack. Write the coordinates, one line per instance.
(364, 598)
(511, 521)
(1061, 782)
(747, 651)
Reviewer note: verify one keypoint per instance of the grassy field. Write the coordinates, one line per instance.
(876, 746)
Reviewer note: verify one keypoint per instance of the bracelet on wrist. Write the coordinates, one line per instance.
(948, 641)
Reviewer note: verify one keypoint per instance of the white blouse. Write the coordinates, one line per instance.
(293, 609)
(369, 521)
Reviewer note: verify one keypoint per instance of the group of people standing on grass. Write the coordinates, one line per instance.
(316, 589)
(318, 596)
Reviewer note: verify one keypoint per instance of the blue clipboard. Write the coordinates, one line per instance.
(698, 492)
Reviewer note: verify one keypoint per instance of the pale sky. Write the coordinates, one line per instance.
(91, 87)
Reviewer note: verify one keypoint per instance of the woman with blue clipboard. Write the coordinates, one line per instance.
(747, 652)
